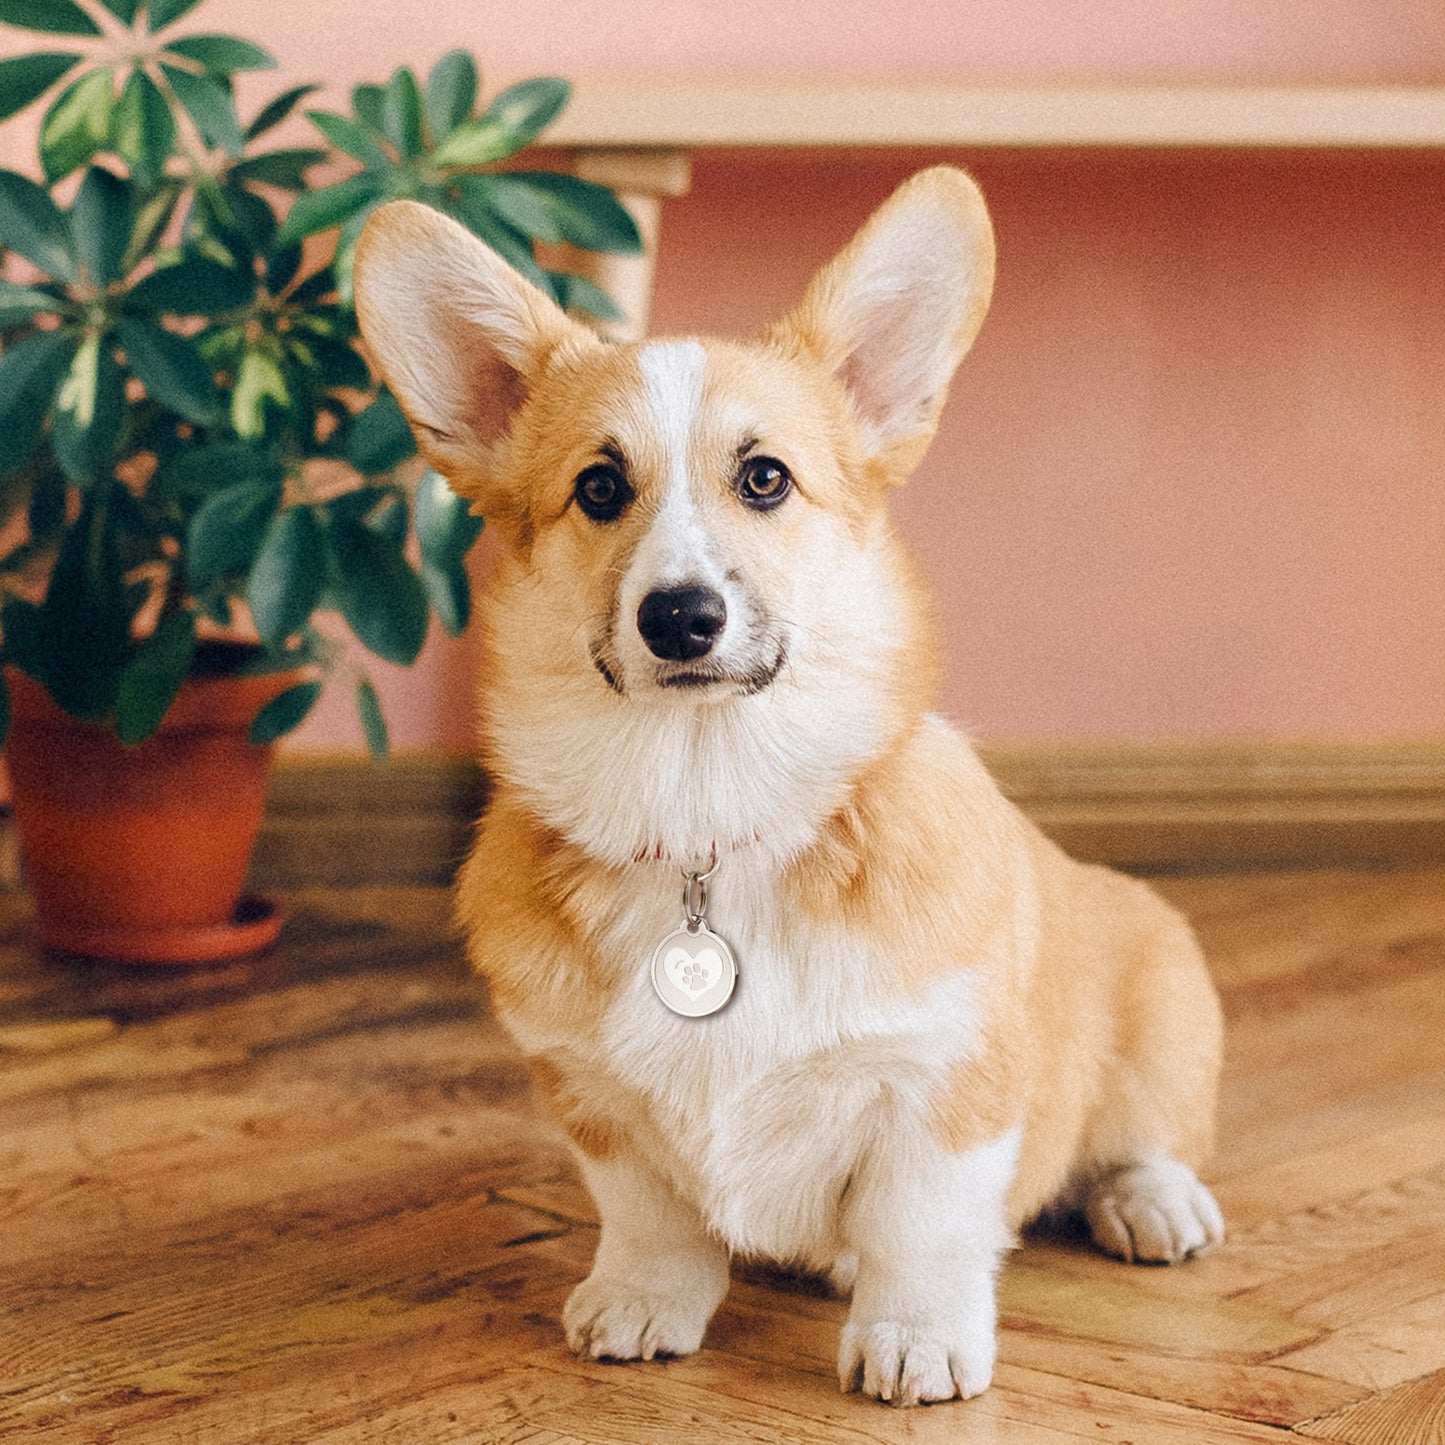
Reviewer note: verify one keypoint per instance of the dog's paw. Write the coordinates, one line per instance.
(904, 1364)
(1153, 1213)
(612, 1319)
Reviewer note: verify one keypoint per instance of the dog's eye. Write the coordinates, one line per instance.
(602, 492)
(763, 482)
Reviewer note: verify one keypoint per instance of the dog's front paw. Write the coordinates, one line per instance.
(615, 1319)
(1153, 1213)
(907, 1364)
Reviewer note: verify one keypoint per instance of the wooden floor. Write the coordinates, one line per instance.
(306, 1199)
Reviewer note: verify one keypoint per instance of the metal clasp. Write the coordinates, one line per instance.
(694, 894)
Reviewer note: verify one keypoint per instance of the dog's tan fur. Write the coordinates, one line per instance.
(899, 885)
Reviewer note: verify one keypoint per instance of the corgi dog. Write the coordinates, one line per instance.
(709, 670)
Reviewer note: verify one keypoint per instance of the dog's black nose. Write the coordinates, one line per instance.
(679, 623)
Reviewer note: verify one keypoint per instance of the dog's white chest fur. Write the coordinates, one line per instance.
(759, 1113)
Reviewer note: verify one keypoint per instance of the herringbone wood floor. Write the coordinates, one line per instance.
(306, 1199)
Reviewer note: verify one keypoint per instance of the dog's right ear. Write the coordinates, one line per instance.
(457, 335)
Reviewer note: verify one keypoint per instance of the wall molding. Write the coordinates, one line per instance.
(1152, 806)
(1228, 805)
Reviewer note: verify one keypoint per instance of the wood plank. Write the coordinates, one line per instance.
(1413, 1414)
(1267, 1190)
(1116, 1309)
(505, 1410)
(1023, 1406)
(1299, 1387)
(1377, 1279)
(1379, 1352)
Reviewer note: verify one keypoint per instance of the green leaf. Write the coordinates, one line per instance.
(275, 111)
(46, 513)
(28, 77)
(172, 369)
(154, 677)
(152, 217)
(258, 381)
(373, 724)
(83, 632)
(357, 504)
(369, 103)
(449, 590)
(54, 17)
(20, 303)
(525, 110)
(160, 13)
(579, 212)
(284, 712)
(315, 288)
(281, 268)
(123, 10)
(199, 471)
(285, 168)
(101, 221)
(380, 437)
(226, 531)
(349, 136)
(315, 211)
(472, 207)
(142, 128)
(32, 225)
(209, 105)
(401, 113)
(222, 54)
(343, 263)
(193, 286)
(521, 206)
(475, 143)
(445, 524)
(451, 92)
(577, 293)
(392, 518)
(89, 413)
(288, 574)
(380, 596)
(249, 227)
(30, 372)
(340, 363)
(24, 632)
(77, 124)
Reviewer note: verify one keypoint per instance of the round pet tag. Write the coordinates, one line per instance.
(693, 972)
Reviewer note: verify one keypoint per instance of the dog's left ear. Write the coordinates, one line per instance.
(894, 313)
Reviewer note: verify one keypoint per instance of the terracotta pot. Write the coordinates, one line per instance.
(140, 853)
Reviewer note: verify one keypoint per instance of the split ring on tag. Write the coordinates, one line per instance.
(693, 970)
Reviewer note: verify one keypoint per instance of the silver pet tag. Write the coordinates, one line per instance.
(693, 970)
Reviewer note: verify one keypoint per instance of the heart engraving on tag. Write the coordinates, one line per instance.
(694, 974)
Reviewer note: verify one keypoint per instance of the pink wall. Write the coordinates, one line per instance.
(923, 40)
(1190, 481)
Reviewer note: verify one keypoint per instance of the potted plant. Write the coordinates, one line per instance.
(201, 484)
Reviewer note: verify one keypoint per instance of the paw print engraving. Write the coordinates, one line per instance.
(694, 976)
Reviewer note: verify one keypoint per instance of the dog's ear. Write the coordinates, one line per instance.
(895, 311)
(459, 337)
